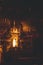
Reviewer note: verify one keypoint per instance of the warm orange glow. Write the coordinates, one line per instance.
(0, 48)
(26, 27)
(15, 36)
(15, 43)
(0, 53)
(15, 30)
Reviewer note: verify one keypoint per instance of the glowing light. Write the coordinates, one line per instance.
(26, 27)
(14, 43)
(0, 48)
(0, 53)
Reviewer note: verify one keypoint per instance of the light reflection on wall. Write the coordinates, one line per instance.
(26, 27)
